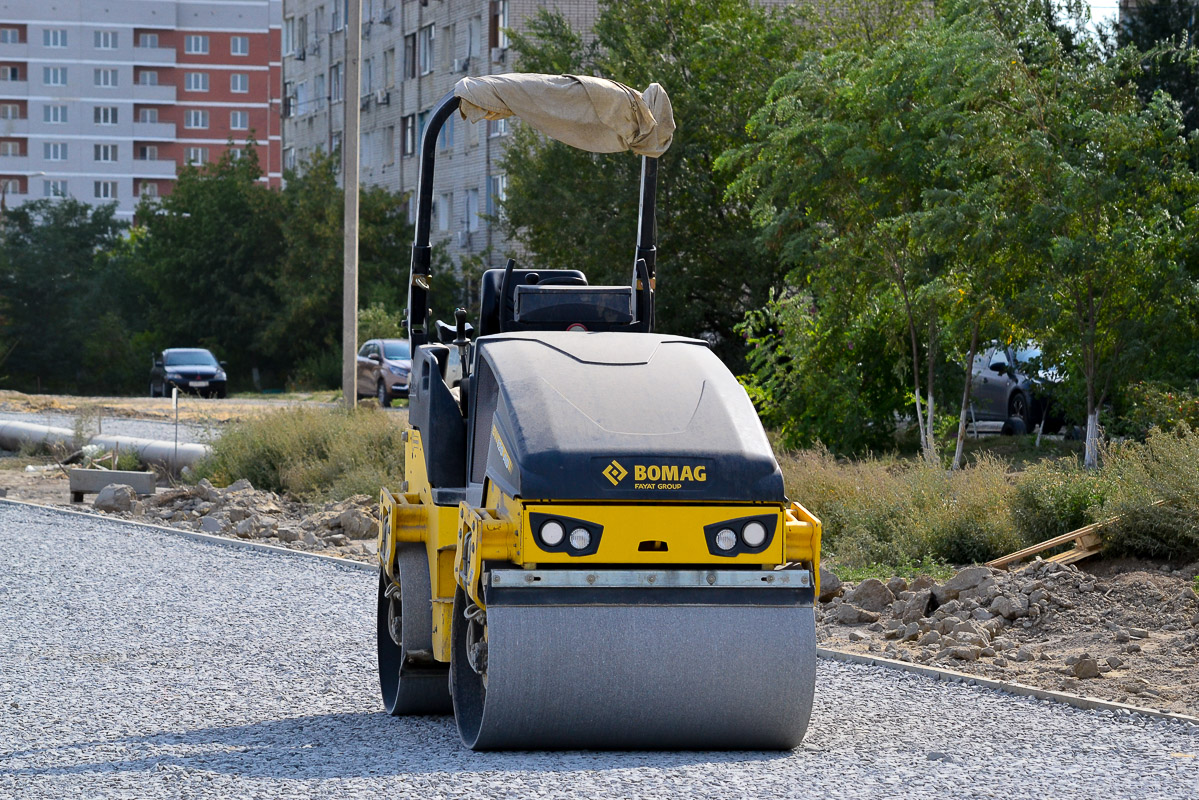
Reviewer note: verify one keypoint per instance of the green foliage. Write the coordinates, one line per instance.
(893, 512)
(574, 209)
(57, 292)
(934, 568)
(1055, 497)
(1155, 405)
(1153, 494)
(310, 453)
(1165, 31)
(377, 321)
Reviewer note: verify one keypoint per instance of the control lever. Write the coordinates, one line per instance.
(462, 342)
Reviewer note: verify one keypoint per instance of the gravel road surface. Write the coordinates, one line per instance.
(116, 426)
(137, 664)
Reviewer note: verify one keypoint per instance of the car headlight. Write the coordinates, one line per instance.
(174, 376)
(219, 376)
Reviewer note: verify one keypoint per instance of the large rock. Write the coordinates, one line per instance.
(830, 585)
(115, 497)
(1009, 608)
(966, 579)
(917, 606)
(872, 595)
(848, 614)
(356, 523)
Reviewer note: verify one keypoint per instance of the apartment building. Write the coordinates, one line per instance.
(412, 54)
(103, 101)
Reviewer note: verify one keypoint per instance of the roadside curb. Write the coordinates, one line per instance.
(950, 676)
(1008, 687)
(221, 541)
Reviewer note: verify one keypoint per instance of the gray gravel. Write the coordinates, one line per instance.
(117, 426)
(137, 664)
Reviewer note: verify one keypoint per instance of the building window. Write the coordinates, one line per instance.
(410, 56)
(408, 135)
(426, 41)
(336, 17)
(197, 155)
(196, 45)
(235, 153)
(289, 36)
(149, 115)
(147, 40)
(10, 111)
(302, 98)
(318, 91)
(10, 36)
(497, 192)
(10, 148)
(366, 79)
(389, 144)
(54, 188)
(10, 186)
(105, 77)
(239, 45)
(335, 82)
(289, 158)
(445, 209)
(148, 77)
(106, 190)
(106, 40)
(365, 144)
(104, 115)
(497, 127)
(239, 82)
(148, 189)
(147, 152)
(239, 120)
(54, 38)
(445, 139)
(54, 151)
(195, 118)
(106, 152)
(472, 210)
(499, 23)
(10, 73)
(53, 76)
(422, 121)
(196, 81)
(389, 68)
(54, 114)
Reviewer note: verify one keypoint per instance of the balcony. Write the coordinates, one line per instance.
(153, 56)
(147, 93)
(148, 168)
(14, 52)
(14, 127)
(154, 131)
(11, 164)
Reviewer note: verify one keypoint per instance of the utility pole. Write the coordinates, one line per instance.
(349, 164)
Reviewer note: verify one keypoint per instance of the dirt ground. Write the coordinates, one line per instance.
(191, 409)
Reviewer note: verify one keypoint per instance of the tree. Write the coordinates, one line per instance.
(208, 252)
(1165, 31)
(61, 305)
(574, 209)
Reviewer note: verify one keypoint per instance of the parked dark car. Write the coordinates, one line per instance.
(384, 366)
(191, 369)
(1011, 383)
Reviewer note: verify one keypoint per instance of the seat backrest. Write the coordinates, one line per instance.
(434, 411)
(492, 299)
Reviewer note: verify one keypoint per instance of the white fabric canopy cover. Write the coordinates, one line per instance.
(593, 114)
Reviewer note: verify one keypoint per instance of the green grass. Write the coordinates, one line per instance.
(312, 454)
(938, 570)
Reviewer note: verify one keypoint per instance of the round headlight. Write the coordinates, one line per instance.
(580, 538)
(753, 534)
(726, 539)
(552, 533)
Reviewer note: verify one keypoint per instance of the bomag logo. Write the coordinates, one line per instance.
(615, 473)
(657, 476)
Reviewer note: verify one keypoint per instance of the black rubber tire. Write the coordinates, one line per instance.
(1017, 407)
(1014, 426)
(381, 394)
(405, 689)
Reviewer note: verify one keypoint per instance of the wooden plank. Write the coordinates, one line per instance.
(1032, 550)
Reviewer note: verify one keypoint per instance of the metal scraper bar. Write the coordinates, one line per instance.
(650, 579)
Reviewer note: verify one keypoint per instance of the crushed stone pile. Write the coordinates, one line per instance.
(1132, 636)
(345, 528)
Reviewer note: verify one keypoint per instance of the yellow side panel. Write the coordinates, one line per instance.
(626, 527)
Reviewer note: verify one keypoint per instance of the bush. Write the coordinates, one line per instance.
(311, 454)
(894, 512)
(1055, 497)
(1152, 405)
(1153, 492)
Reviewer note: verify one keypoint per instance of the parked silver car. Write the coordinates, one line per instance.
(1011, 383)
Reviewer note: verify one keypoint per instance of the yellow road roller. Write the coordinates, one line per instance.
(592, 547)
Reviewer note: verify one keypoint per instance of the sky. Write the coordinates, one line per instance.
(1103, 9)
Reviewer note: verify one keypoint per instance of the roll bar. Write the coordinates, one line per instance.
(644, 262)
